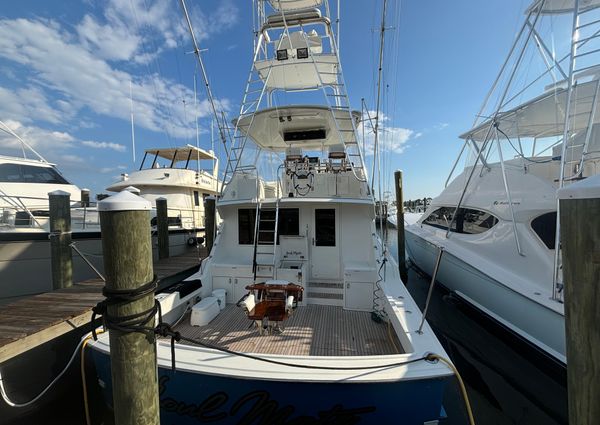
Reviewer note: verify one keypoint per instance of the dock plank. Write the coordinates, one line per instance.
(34, 320)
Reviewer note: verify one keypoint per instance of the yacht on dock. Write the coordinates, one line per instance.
(496, 222)
(184, 176)
(299, 311)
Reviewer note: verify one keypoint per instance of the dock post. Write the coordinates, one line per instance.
(400, 226)
(580, 239)
(162, 227)
(209, 221)
(127, 251)
(85, 198)
(60, 239)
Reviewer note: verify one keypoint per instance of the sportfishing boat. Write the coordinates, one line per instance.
(492, 236)
(298, 315)
(184, 176)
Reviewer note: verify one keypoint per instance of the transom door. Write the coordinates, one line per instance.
(325, 244)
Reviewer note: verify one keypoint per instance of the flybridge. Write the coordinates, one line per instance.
(185, 153)
(295, 55)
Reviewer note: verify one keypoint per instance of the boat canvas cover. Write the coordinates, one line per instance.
(182, 153)
(549, 7)
(543, 116)
(268, 126)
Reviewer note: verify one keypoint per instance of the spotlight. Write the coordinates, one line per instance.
(282, 55)
(302, 53)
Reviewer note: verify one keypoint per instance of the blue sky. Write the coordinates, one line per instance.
(66, 70)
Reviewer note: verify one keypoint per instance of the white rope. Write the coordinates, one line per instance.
(11, 403)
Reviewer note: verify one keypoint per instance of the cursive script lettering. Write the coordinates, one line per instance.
(256, 408)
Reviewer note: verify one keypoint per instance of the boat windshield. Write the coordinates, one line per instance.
(25, 173)
(184, 157)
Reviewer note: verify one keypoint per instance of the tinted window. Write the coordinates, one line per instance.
(325, 227)
(196, 198)
(545, 227)
(19, 173)
(468, 221)
(289, 224)
(246, 219)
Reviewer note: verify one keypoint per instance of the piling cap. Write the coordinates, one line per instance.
(588, 188)
(59, 193)
(133, 190)
(124, 201)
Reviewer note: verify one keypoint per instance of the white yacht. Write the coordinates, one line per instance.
(24, 213)
(25, 263)
(496, 222)
(184, 176)
(298, 281)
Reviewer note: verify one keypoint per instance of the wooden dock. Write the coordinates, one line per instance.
(34, 320)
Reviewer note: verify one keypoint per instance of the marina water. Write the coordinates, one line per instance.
(506, 380)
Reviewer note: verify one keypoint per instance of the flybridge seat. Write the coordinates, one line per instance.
(293, 154)
(293, 19)
(288, 5)
(337, 152)
(337, 159)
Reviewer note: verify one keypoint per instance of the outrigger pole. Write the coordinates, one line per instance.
(204, 77)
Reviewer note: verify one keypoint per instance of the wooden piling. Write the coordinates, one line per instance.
(60, 239)
(209, 221)
(162, 227)
(85, 197)
(400, 226)
(127, 251)
(580, 239)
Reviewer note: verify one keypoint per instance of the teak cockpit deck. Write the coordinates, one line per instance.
(312, 330)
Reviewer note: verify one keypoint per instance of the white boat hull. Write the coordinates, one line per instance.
(25, 261)
(534, 322)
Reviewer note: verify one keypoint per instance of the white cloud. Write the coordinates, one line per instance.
(41, 139)
(73, 68)
(112, 42)
(106, 170)
(89, 81)
(31, 104)
(390, 139)
(104, 145)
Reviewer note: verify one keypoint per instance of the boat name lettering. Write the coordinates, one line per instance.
(258, 408)
(293, 253)
(506, 203)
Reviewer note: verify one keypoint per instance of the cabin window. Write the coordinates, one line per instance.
(289, 225)
(196, 198)
(468, 221)
(325, 227)
(19, 173)
(246, 219)
(545, 227)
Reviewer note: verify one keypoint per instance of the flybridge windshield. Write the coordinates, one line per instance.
(19, 173)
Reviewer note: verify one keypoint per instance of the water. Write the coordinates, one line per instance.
(507, 382)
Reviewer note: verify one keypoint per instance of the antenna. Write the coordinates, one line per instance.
(204, 76)
(381, 45)
(132, 126)
(197, 132)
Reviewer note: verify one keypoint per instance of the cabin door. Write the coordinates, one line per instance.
(325, 244)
